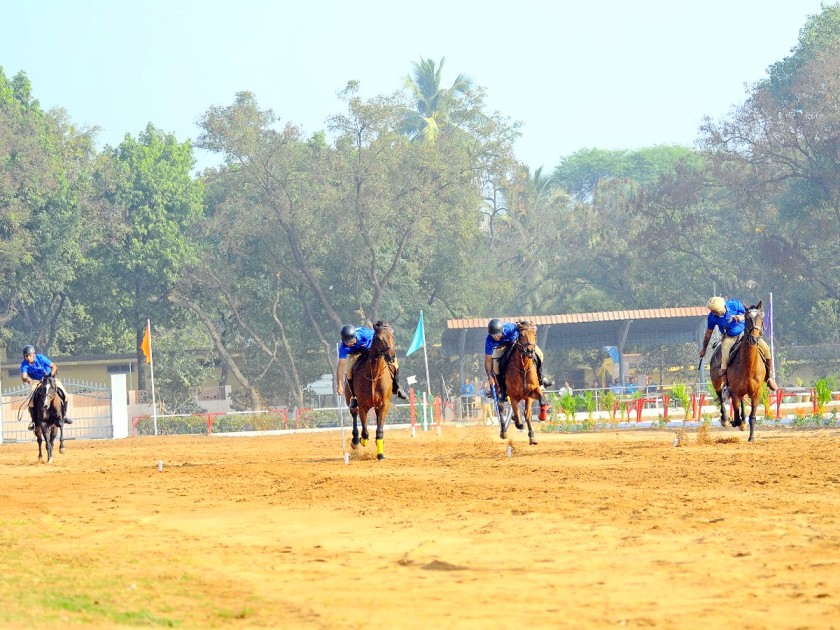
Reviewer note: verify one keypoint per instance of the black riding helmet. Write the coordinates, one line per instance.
(27, 349)
(495, 327)
(348, 333)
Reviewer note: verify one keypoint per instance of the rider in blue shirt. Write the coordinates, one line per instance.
(33, 368)
(499, 337)
(729, 316)
(354, 343)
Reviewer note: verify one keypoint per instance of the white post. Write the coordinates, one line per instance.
(1, 407)
(152, 374)
(772, 331)
(119, 406)
(426, 358)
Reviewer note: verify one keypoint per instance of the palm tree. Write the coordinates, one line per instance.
(433, 102)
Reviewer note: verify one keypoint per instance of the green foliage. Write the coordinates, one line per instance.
(569, 403)
(822, 391)
(587, 399)
(681, 396)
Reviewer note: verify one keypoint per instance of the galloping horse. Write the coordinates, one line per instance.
(746, 372)
(521, 381)
(372, 384)
(49, 418)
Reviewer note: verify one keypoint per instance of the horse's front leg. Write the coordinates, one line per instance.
(528, 413)
(40, 444)
(742, 416)
(380, 434)
(355, 441)
(48, 442)
(363, 414)
(517, 419)
(724, 416)
(61, 436)
(752, 420)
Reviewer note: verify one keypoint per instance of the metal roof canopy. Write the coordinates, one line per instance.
(646, 327)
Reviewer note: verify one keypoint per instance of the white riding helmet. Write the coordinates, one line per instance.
(716, 304)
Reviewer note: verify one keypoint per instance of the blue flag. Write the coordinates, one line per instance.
(417, 340)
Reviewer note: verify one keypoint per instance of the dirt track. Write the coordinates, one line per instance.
(592, 530)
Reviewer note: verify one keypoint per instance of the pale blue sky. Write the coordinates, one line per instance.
(610, 74)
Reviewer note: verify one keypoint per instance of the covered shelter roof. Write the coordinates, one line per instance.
(635, 328)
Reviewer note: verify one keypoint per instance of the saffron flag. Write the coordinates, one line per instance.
(419, 336)
(146, 346)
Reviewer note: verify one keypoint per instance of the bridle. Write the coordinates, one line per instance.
(754, 320)
(527, 348)
(49, 389)
(382, 347)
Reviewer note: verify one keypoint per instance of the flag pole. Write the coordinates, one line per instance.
(426, 358)
(772, 331)
(152, 374)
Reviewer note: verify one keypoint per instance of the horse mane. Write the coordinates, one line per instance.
(524, 324)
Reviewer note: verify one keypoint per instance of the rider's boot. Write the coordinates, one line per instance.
(399, 392)
(31, 426)
(353, 404)
(544, 380)
(771, 381)
(64, 412)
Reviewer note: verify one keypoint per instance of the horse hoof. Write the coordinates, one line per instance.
(519, 425)
(533, 442)
(61, 450)
(380, 456)
(503, 435)
(724, 422)
(364, 442)
(743, 426)
(354, 443)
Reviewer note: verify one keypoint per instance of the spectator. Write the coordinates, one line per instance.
(616, 387)
(467, 388)
(486, 403)
(632, 386)
(566, 389)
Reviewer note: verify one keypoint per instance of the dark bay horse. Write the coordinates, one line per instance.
(521, 381)
(372, 385)
(49, 417)
(746, 372)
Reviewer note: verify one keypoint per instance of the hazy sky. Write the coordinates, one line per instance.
(610, 74)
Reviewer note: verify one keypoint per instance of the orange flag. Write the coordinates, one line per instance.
(146, 346)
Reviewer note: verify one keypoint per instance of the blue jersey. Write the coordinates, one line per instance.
(364, 339)
(37, 370)
(726, 323)
(509, 334)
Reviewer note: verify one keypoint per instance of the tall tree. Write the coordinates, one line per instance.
(433, 102)
(155, 200)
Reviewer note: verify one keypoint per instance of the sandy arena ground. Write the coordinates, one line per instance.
(613, 529)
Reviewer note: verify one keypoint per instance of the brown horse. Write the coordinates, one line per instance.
(521, 381)
(372, 385)
(49, 417)
(746, 372)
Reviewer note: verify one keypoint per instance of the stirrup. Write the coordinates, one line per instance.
(546, 382)
(68, 421)
(31, 426)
